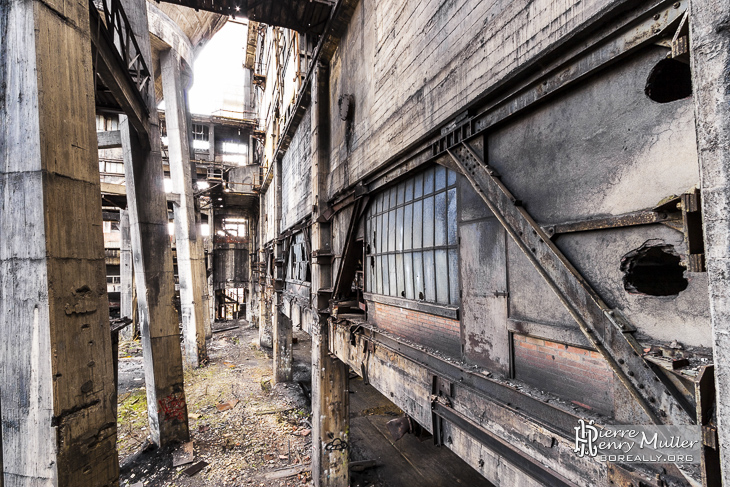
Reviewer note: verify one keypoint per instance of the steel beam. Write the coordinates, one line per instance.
(604, 328)
(111, 69)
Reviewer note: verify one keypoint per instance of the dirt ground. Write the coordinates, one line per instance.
(267, 428)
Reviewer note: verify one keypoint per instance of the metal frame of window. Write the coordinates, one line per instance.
(201, 132)
(298, 260)
(412, 241)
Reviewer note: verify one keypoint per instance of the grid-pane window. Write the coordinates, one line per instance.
(298, 260)
(412, 241)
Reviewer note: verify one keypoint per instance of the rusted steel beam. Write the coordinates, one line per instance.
(348, 263)
(549, 415)
(115, 75)
(710, 448)
(644, 217)
(526, 463)
(605, 329)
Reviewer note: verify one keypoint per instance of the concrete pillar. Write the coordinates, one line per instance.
(155, 283)
(126, 294)
(152, 255)
(282, 345)
(56, 372)
(266, 338)
(190, 259)
(330, 413)
(710, 60)
(2, 475)
(211, 140)
(330, 396)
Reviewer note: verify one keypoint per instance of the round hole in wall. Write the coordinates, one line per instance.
(668, 81)
(653, 269)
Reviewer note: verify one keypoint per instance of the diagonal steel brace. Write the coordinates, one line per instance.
(606, 329)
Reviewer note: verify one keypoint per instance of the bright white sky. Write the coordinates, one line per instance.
(218, 72)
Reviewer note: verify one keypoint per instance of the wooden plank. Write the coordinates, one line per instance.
(288, 472)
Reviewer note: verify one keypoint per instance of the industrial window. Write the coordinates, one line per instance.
(298, 262)
(411, 242)
(200, 132)
(200, 137)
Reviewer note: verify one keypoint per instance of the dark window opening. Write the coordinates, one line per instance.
(670, 80)
(654, 269)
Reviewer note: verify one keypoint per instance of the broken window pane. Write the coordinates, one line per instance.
(386, 275)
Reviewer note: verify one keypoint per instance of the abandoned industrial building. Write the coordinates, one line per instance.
(416, 243)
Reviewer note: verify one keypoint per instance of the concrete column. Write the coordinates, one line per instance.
(190, 260)
(125, 270)
(330, 396)
(330, 413)
(211, 140)
(203, 273)
(152, 255)
(56, 372)
(155, 285)
(710, 60)
(265, 331)
(2, 475)
(282, 345)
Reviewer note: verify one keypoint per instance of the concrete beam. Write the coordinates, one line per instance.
(190, 260)
(710, 61)
(110, 139)
(56, 372)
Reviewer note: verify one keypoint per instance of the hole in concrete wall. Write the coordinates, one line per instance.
(653, 269)
(670, 80)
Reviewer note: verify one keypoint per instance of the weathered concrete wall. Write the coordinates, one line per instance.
(296, 177)
(411, 66)
(710, 59)
(566, 164)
